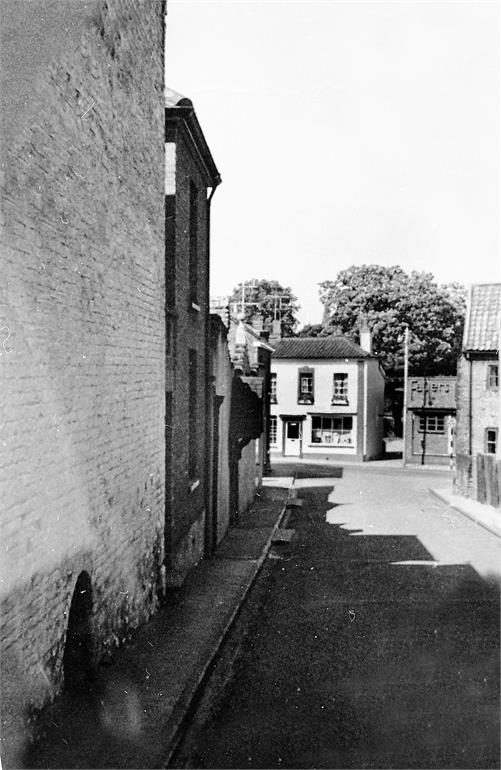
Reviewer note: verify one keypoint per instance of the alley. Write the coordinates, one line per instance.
(370, 640)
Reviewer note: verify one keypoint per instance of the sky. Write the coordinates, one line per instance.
(346, 133)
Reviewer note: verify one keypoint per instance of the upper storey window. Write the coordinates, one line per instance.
(306, 386)
(273, 388)
(492, 376)
(340, 388)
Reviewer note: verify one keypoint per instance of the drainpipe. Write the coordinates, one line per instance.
(470, 405)
(209, 393)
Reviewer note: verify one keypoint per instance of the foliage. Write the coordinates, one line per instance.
(387, 299)
(311, 330)
(271, 300)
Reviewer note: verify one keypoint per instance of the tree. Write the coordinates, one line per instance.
(270, 299)
(311, 330)
(387, 299)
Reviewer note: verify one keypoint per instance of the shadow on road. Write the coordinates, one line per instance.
(364, 653)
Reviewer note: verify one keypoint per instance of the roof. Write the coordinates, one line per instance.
(483, 317)
(180, 108)
(319, 347)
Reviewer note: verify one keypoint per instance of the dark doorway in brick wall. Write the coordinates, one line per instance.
(78, 658)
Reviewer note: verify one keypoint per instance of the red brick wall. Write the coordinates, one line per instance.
(83, 379)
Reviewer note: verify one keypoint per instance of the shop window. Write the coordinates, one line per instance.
(336, 430)
(492, 376)
(431, 423)
(305, 393)
(491, 440)
(273, 429)
(340, 388)
(273, 388)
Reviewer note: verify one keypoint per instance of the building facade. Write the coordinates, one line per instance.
(430, 421)
(479, 399)
(191, 177)
(327, 399)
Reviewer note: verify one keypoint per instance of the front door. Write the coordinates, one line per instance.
(292, 446)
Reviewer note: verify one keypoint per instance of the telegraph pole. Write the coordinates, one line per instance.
(404, 410)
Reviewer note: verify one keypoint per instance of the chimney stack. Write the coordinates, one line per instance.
(276, 331)
(366, 339)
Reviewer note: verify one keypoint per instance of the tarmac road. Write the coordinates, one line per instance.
(370, 640)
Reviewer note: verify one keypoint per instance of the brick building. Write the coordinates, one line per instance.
(327, 398)
(191, 178)
(479, 397)
(82, 356)
(430, 420)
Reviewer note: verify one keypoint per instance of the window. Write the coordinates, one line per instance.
(340, 389)
(491, 440)
(431, 423)
(273, 429)
(273, 388)
(492, 376)
(332, 430)
(192, 425)
(305, 390)
(193, 243)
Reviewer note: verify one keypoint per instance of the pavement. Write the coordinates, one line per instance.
(134, 713)
(485, 516)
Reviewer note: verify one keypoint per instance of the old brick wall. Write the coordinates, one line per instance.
(82, 369)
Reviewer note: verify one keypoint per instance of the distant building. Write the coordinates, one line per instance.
(479, 399)
(431, 420)
(327, 398)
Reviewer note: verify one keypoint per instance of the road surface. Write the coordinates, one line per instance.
(370, 640)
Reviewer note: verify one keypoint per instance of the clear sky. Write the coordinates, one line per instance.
(345, 133)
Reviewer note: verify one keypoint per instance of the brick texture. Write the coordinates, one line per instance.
(82, 351)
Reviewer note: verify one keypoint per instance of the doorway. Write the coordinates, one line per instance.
(292, 438)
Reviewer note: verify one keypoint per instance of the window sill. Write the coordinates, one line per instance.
(194, 484)
(340, 402)
(333, 446)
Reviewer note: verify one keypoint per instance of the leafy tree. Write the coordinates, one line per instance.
(387, 299)
(270, 299)
(311, 330)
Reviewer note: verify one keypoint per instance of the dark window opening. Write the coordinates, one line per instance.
(491, 441)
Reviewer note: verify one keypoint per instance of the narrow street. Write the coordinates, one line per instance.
(369, 640)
